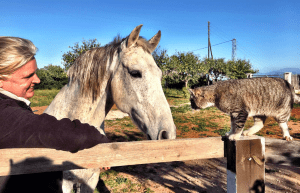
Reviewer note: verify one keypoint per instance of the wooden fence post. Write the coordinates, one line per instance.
(288, 77)
(245, 164)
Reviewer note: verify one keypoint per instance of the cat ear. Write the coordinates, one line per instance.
(191, 92)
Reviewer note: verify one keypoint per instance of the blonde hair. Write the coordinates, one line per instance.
(14, 53)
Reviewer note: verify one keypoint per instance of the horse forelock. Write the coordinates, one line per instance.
(90, 68)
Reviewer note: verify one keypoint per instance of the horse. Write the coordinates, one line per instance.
(123, 73)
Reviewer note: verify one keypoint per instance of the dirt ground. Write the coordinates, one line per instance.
(204, 175)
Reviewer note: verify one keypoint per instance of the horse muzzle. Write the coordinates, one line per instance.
(163, 134)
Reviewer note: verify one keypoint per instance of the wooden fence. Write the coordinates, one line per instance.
(245, 157)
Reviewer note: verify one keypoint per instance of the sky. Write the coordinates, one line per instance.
(267, 33)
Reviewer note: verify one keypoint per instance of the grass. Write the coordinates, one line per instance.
(294, 119)
(222, 131)
(273, 124)
(43, 97)
(200, 129)
(176, 97)
(270, 133)
(296, 105)
(201, 123)
(116, 182)
(181, 109)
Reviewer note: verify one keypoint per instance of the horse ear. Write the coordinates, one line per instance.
(134, 36)
(154, 41)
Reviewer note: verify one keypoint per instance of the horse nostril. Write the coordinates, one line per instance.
(148, 137)
(163, 135)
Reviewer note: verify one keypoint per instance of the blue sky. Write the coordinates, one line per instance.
(267, 32)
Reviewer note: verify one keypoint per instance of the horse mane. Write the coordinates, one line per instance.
(89, 68)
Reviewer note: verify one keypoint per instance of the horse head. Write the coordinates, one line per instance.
(136, 87)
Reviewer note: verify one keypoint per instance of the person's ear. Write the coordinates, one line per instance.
(1, 83)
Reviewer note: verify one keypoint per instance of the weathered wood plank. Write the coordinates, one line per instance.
(22, 161)
(245, 164)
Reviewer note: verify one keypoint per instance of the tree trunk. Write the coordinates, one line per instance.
(186, 83)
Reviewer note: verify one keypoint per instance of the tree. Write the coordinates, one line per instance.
(162, 60)
(51, 77)
(70, 57)
(186, 67)
(218, 69)
(238, 69)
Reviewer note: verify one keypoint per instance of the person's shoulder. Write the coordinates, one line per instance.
(7, 102)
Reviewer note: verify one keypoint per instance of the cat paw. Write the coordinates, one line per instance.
(234, 137)
(228, 134)
(247, 133)
(288, 138)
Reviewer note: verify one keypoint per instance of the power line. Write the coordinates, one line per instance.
(220, 32)
(213, 45)
(247, 53)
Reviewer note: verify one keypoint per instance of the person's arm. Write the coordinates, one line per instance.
(19, 128)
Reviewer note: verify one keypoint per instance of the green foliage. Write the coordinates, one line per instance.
(70, 57)
(186, 92)
(43, 97)
(117, 183)
(183, 128)
(186, 67)
(218, 68)
(173, 93)
(294, 119)
(270, 133)
(296, 105)
(238, 69)
(175, 97)
(161, 58)
(109, 173)
(148, 190)
(179, 68)
(52, 77)
(121, 180)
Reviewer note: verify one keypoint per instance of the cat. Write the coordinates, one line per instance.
(256, 97)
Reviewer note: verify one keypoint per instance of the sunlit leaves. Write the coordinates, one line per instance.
(70, 57)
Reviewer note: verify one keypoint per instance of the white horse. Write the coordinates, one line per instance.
(122, 73)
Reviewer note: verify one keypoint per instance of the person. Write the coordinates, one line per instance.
(20, 127)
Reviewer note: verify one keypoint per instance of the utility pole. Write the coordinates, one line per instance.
(209, 45)
(233, 56)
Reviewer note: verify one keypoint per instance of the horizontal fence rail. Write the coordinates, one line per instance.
(34, 160)
(246, 157)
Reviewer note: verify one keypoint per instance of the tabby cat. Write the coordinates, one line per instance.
(257, 97)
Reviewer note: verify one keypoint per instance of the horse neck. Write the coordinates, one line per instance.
(69, 103)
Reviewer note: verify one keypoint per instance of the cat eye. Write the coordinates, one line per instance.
(135, 74)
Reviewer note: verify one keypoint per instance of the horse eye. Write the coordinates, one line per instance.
(135, 74)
